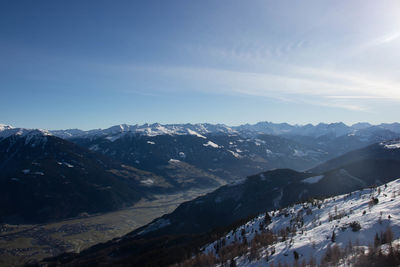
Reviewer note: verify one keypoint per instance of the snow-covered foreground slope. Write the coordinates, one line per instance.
(306, 229)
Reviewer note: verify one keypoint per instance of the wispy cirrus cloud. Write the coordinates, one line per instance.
(296, 84)
(342, 75)
(387, 38)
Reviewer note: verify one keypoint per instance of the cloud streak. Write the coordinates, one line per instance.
(307, 85)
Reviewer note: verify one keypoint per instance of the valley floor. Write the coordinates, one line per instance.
(20, 244)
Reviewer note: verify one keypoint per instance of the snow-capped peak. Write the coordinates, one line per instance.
(31, 135)
(4, 127)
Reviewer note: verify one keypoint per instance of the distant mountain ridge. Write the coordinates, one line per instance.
(320, 129)
(337, 129)
(148, 130)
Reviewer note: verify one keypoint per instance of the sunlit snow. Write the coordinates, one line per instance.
(211, 144)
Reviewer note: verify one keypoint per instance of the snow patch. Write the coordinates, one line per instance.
(147, 182)
(313, 180)
(191, 132)
(269, 152)
(211, 144)
(299, 153)
(236, 155)
(66, 164)
(392, 145)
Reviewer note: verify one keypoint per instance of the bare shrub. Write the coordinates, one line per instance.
(355, 226)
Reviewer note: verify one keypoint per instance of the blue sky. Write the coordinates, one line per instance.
(93, 64)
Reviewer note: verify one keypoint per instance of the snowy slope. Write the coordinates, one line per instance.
(314, 224)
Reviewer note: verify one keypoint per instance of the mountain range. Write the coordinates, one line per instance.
(55, 175)
(336, 129)
(66, 172)
(175, 236)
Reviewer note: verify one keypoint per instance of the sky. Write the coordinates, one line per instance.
(97, 63)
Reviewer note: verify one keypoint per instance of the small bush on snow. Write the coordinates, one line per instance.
(355, 226)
